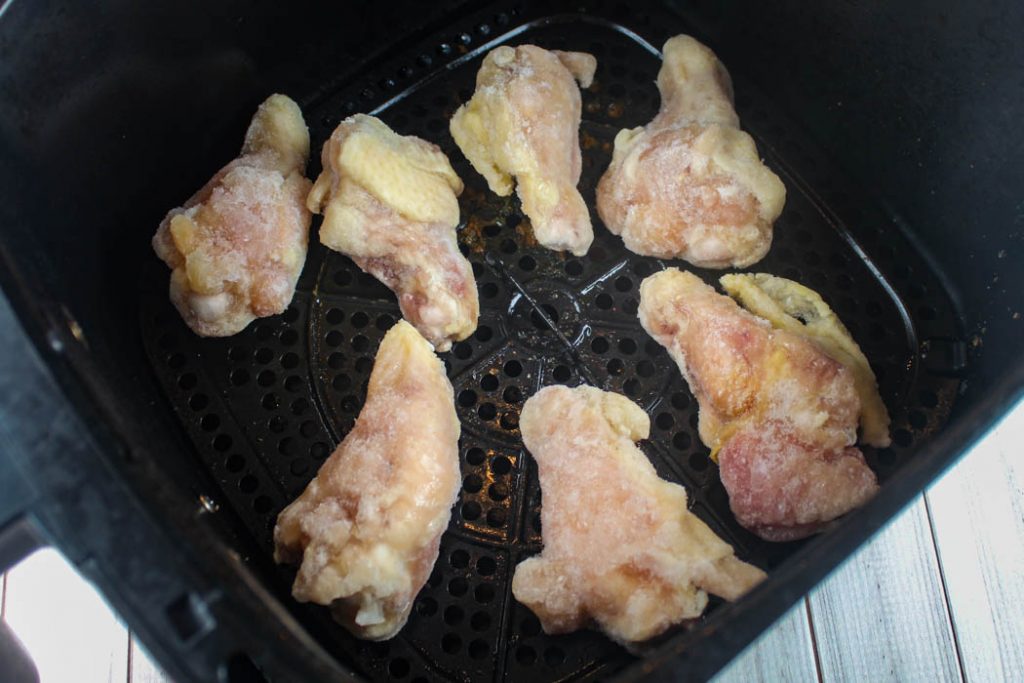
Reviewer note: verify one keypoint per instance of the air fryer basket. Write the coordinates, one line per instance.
(183, 450)
(266, 407)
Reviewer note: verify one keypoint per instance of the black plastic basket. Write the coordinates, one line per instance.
(158, 461)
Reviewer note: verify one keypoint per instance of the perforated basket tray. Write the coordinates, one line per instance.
(266, 407)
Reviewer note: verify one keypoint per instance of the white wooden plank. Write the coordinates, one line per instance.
(882, 616)
(63, 622)
(143, 669)
(784, 652)
(978, 519)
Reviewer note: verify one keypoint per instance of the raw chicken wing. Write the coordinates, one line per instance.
(620, 547)
(389, 203)
(776, 410)
(523, 121)
(237, 246)
(367, 528)
(690, 184)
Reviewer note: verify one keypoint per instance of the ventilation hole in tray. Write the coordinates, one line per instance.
(467, 398)
(604, 301)
(484, 333)
(475, 456)
(680, 401)
(513, 368)
(512, 395)
(538, 320)
(487, 412)
(486, 566)
(451, 643)
(573, 268)
(398, 667)
(480, 621)
(484, 593)
(472, 483)
(458, 587)
(623, 284)
(496, 518)
(264, 355)
(615, 367)
(471, 511)
(627, 346)
(501, 465)
(562, 373)
(453, 615)
(682, 441)
(599, 345)
(479, 649)
(509, 421)
(459, 559)
(462, 350)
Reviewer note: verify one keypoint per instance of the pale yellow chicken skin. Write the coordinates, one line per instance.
(778, 412)
(690, 184)
(523, 122)
(367, 528)
(390, 204)
(237, 246)
(621, 549)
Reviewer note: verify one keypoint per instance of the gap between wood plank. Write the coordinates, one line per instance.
(814, 638)
(945, 588)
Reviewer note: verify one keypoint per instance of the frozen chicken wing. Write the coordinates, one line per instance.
(390, 204)
(237, 246)
(690, 184)
(778, 412)
(621, 549)
(521, 129)
(367, 529)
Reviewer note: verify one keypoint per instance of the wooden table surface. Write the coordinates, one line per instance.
(937, 596)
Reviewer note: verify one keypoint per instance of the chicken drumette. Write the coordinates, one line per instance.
(690, 184)
(778, 412)
(389, 203)
(237, 246)
(523, 121)
(367, 529)
(620, 547)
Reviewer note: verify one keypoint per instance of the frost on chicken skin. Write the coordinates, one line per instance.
(690, 184)
(390, 204)
(237, 246)
(621, 549)
(367, 529)
(523, 121)
(776, 410)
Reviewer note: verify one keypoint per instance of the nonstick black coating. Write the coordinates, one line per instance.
(266, 407)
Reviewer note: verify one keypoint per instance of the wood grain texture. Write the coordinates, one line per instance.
(785, 652)
(142, 669)
(882, 616)
(977, 513)
(64, 623)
